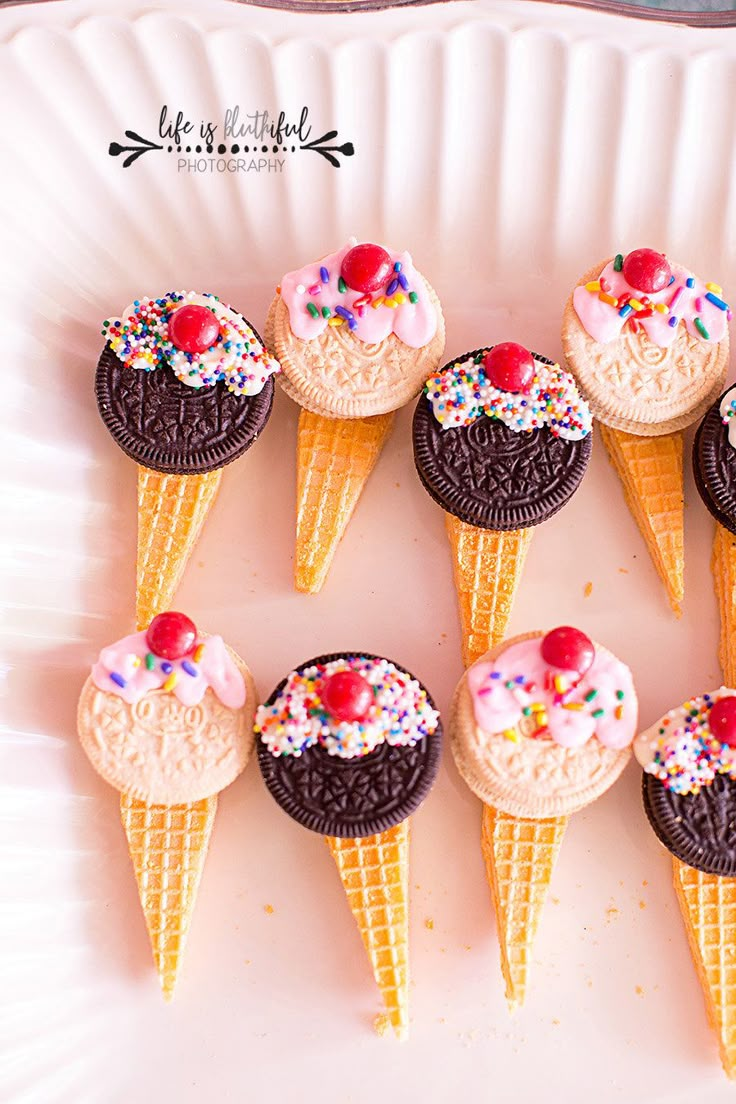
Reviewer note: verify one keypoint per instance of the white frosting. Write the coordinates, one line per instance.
(462, 393)
(728, 413)
(140, 339)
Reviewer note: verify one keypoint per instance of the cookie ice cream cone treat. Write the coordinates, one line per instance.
(349, 745)
(689, 790)
(166, 717)
(502, 440)
(714, 468)
(647, 342)
(357, 333)
(184, 385)
(541, 726)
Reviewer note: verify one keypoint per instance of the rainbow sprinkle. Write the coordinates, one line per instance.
(296, 720)
(687, 755)
(140, 340)
(462, 393)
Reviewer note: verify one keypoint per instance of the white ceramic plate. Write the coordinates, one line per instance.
(508, 146)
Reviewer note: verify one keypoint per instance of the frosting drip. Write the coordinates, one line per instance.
(131, 670)
(609, 303)
(316, 296)
(519, 691)
(140, 339)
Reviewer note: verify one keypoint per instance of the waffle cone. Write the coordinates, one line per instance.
(650, 469)
(375, 875)
(168, 845)
(487, 566)
(520, 856)
(723, 565)
(171, 513)
(335, 456)
(708, 906)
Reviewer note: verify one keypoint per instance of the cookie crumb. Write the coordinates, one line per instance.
(268, 909)
(587, 590)
(623, 571)
(429, 923)
(381, 1023)
(612, 913)
(555, 1023)
(639, 991)
(642, 904)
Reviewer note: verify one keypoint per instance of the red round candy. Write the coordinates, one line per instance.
(509, 366)
(366, 267)
(193, 328)
(569, 649)
(347, 696)
(647, 270)
(722, 720)
(171, 635)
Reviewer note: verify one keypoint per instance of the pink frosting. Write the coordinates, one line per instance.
(604, 323)
(214, 667)
(413, 323)
(521, 679)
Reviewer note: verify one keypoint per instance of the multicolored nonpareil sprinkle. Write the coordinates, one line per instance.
(462, 393)
(682, 752)
(401, 714)
(140, 339)
(727, 411)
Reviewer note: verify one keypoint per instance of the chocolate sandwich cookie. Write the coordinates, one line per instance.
(349, 744)
(696, 828)
(714, 460)
(486, 472)
(202, 391)
(689, 782)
